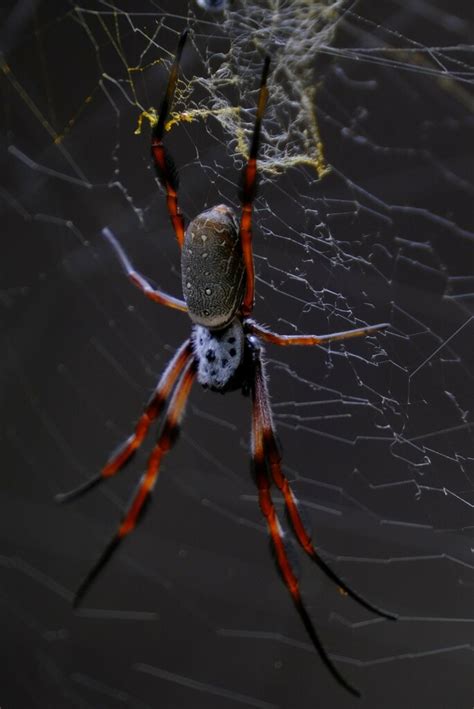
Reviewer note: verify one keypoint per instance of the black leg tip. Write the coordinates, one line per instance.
(266, 67)
(181, 43)
(62, 497)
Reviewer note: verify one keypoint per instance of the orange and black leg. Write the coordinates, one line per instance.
(165, 168)
(275, 339)
(274, 460)
(135, 509)
(155, 405)
(247, 195)
(274, 527)
(157, 296)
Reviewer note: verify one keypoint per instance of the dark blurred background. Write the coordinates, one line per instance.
(377, 434)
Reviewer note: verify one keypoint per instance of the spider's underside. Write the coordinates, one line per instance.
(223, 353)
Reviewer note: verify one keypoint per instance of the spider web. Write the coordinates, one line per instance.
(364, 215)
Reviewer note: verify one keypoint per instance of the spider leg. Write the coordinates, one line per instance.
(152, 410)
(268, 510)
(135, 509)
(140, 281)
(274, 459)
(247, 194)
(165, 168)
(268, 336)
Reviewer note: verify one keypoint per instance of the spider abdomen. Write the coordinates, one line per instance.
(212, 268)
(219, 355)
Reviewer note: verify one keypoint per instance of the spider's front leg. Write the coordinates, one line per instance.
(126, 450)
(135, 509)
(281, 481)
(267, 507)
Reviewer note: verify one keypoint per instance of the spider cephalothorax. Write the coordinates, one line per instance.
(224, 353)
(219, 355)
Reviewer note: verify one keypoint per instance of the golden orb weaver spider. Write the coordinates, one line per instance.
(223, 353)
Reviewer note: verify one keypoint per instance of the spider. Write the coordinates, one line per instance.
(223, 353)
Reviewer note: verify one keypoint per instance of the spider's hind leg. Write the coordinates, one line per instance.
(164, 165)
(248, 192)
